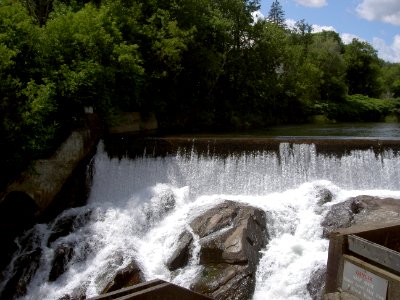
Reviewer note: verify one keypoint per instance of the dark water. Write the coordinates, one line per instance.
(335, 139)
(358, 130)
(326, 131)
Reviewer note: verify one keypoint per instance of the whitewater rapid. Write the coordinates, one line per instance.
(137, 209)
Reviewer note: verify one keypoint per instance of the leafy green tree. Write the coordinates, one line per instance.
(302, 35)
(326, 53)
(18, 64)
(362, 69)
(276, 14)
(390, 76)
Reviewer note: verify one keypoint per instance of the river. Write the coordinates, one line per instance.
(142, 198)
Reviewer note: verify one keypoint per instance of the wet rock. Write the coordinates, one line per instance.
(375, 210)
(158, 208)
(25, 268)
(17, 213)
(126, 277)
(215, 219)
(231, 237)
(62, 256)
(324, 195)
(316, 285)
(361, 210)
(180, 256)
(78, 293)
(226, 281)
(64, 225)
(340, 215)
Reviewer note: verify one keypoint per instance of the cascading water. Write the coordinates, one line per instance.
(138, 207)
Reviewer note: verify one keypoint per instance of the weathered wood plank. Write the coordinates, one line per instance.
(375, 252)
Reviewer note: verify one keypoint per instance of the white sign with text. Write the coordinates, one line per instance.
(363, 284)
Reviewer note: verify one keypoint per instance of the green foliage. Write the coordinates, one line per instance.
(197, 64)
(360, 108)
(362, 69)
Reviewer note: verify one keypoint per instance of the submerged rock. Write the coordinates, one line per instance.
(324, 195)
(231, 237)
(316, 285)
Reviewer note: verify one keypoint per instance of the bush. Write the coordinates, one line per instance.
(360, 108)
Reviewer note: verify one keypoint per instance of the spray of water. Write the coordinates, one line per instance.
(138, 208)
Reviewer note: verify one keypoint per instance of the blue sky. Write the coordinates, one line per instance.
(375, 21)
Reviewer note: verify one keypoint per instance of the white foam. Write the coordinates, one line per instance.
(129, 219)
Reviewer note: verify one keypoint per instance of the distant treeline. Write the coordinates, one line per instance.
(197, 64)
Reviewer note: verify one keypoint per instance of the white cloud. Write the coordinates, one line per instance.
(389, 53)
(290, 23)
(257, 15)
(319, 28)
(312, 3)
(347, 38)
(387, 11)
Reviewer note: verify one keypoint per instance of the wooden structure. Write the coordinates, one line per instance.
(365, 261)
(152, 290)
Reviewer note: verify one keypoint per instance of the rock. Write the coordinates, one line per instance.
(180, 257)
(339, 216)
(231, 237)
(62, 256)
(126, 277)
(375, 210)
(226, 281)
(316, 285)
(64, 225)
(157, 208)
(215, 219)
(361, 210)
(324, 195)
(17, 213)
(25, 268)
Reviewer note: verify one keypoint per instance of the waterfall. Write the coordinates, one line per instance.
(138, 207)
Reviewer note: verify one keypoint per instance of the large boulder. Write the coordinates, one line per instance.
(231, 237)
(361, 210)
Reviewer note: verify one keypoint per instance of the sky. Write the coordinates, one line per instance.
(374, 21)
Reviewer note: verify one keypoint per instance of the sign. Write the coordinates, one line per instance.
(363, 284)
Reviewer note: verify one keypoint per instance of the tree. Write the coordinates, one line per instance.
(276, 14)
(390, 77)
(362, 69)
